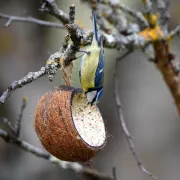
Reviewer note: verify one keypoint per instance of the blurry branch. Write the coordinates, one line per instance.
(169, 69)
(22, 144)
(122, 121)
(174, 32)
(16, 129)
(148, 9)
(110, 40)
(135, 14)
(76, 167)
(51, 7)
(114, 173)
(164, 59)
(24, 81)
(30, 20)
(163, 9)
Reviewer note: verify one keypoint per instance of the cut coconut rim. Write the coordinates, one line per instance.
(87, 120)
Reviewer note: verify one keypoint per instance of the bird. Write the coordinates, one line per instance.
(91, 71)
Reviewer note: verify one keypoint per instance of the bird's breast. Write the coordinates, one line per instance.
(88, 69)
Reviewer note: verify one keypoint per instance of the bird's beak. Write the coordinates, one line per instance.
(90, 103)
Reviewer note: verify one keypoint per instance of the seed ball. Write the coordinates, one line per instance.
(67, 126)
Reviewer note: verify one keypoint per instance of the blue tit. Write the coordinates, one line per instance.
(92, 68)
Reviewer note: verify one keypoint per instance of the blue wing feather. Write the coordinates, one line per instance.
(99, 76)
(99, 95)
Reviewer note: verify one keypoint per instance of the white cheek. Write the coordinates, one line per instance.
(91, 95)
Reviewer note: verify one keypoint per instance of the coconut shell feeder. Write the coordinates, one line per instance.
(67, 126)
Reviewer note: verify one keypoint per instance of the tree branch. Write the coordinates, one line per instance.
(22, 82)
(163, 9)
(114, 173)
(30, 20)
(15, 130)
(51, 7)
(123, 123)
(174, 32)
(135, 14)
(164, 59)
(17, 127)
(168, 69)
(76, 167)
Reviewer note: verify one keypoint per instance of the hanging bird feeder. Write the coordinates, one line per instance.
(67, 126)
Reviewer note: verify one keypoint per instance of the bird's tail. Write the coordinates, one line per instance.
(95, 29)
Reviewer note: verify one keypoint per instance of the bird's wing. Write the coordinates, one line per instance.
(99, 76)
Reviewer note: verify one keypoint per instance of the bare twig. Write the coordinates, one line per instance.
(50, 69)
(174, 32)
(75, 35)
(23, 145)
(72, 14)
(135, 14)
(123, 123)
(99, 176)
(117, 20)
(7, 123)
(114, 173)
(24, 81)
(17, 127)
(148, 6)
(110, 41)
(163, 9)
(51, 7)
(15, 130)
(30, 20)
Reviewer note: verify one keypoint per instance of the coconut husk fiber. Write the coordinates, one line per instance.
(67, 126)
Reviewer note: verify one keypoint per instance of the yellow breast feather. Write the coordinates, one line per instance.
(89, 67)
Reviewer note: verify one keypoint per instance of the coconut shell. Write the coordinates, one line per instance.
(57, 130)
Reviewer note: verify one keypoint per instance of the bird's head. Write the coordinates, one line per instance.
(94, 96)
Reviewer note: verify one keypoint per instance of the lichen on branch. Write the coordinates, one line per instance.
(164, 59)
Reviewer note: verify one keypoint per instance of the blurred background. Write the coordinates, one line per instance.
(148, 107)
